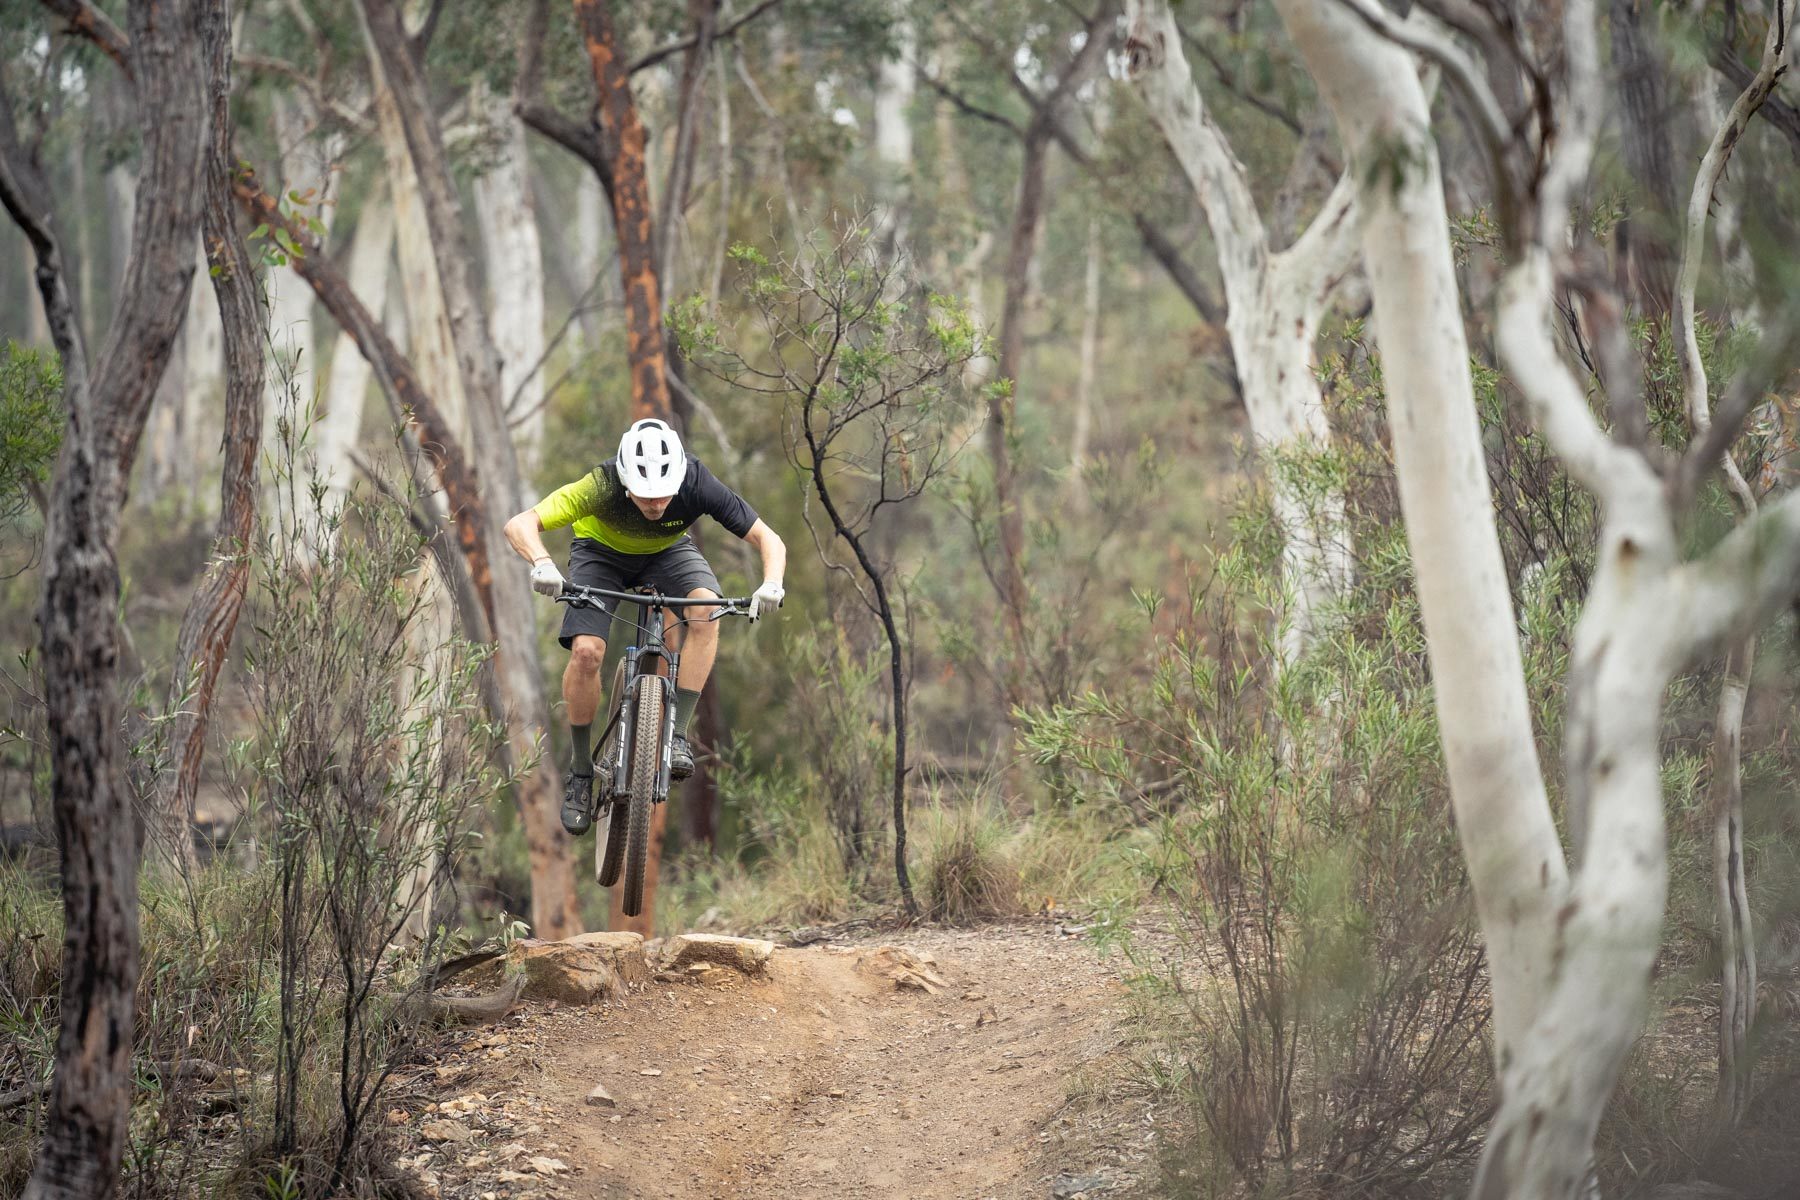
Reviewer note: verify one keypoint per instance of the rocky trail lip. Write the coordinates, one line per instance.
(821, 1077)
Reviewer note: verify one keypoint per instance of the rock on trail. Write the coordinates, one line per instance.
(955, 1064)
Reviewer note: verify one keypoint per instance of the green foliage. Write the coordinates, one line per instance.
(372, 747)
(31, 426)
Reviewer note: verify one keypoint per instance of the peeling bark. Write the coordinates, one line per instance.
(212, 614)
(86, 1118)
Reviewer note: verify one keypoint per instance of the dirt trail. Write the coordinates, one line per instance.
(820, 1080)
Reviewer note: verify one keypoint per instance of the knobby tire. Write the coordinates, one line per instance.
(609, 849)
(646, 762)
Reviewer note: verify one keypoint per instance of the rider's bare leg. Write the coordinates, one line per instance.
(581, 679)
(701, 644)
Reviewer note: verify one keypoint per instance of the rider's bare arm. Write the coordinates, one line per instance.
(525, 533)
(773, 550)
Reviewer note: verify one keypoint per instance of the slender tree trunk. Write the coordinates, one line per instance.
(166, 442)
(90, 1096)
(622, 136)
(212, 615)
(1027, 228)
(590, 242)
(515, 261)
(1090, 353)
(82, 233)
(1027, 231)
(703, 16)
(884, 609)
(205, 396)
(723, 131)
(1645, 118)
(555, 910)
(1502, 810)
(1737, 946)
(1276, 301)
(306, 168)
(431, 345)
(895, 81)
(371, 256)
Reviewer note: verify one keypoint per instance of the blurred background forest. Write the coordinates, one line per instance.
(1119, 707)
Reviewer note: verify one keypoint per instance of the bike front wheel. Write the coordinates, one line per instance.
(646, 764)
(609, 847)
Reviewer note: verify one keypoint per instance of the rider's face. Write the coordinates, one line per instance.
(652, 509)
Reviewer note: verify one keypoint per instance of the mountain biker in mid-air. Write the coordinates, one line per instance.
(631, 515)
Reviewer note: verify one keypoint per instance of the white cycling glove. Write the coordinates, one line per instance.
(545, 578)
(767, 598)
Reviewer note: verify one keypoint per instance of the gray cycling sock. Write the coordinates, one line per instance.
(581, 750)
(684, 709)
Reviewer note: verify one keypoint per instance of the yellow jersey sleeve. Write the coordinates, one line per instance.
(569, 503)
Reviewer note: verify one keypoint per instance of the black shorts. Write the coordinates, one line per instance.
(674, 572)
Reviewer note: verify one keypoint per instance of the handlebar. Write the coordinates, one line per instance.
(587, 597)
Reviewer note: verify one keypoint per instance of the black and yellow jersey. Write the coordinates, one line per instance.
(599, 508)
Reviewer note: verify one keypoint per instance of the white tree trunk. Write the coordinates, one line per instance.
(1737, 945)
(1503, 814)
(290, 299)
(168, 443)
(37, 325)
(1571, 957)
(430, 342)
(417, 690)
(1090, 354)
(205, 389)
(347, 387)
(515, 275)
(1276, 302)
(895, 81)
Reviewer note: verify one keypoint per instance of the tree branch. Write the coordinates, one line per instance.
(1155, 61)
(1774, 355)
(1481, 105)
(1558, 405)
(651, 57)
(1706, 181)
(969, 107)
(1776, 111)
(322, 98)
(1739, 586)
(25, 194)
(1232, 85)
(94, 25)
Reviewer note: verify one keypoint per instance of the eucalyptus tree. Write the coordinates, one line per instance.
(107, 402)
(1276, 298)
(1571, 946)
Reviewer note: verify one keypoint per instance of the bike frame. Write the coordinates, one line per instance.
(641, 660)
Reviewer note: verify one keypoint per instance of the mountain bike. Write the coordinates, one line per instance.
(631, 766)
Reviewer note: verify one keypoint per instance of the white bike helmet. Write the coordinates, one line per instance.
(652, 463)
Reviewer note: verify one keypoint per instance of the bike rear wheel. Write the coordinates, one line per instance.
(609, 845)
(646, 763)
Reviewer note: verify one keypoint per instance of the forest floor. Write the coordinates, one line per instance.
(818, 1079)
